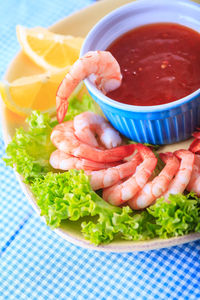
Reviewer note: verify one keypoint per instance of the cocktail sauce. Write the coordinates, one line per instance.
(160, 63)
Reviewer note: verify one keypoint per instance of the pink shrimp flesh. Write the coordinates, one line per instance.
(156, 188)
(88, 124)
(63, 137)
(182, 178)
(194, 183)
(108, 177)
(120, 193)
(100, 63)
(63, 161)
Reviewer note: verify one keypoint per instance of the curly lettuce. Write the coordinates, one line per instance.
(69, 196)
(29, 150)
(179, 216)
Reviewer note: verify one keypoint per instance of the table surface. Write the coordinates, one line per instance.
(38, 264)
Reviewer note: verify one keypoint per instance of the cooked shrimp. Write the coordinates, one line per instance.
(64, 138)
(120, 193)
(195, 145)
(88, 124)
(108, 177)
(155, 189)
(63, 161)
(182, 178)
(194, 184)
(100, 63)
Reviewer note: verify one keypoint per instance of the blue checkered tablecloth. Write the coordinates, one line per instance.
(35, 263)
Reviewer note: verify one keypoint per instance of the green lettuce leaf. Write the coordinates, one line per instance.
(30, 149)
(63, 195)
(178, 217)
(68, 195)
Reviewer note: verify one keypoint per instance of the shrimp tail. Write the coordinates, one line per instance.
(115, 154)
(61, 102)
(65, 89)
(195, 145)
(61, 112)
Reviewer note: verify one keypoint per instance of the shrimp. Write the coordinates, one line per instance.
(195, 145)
(63, 137)
(100, 63)
(63, 161)
(108, 177)
(194, 184)
(121, 193)
(155, 189)
(182, 178)
(87, 124)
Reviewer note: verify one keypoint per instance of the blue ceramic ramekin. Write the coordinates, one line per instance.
(160, 124)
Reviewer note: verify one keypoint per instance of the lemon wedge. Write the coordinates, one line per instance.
(49, 50)
(37, 92)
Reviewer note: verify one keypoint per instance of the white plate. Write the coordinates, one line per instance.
(79, 24)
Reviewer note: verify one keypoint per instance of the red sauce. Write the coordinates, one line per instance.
(160, 63)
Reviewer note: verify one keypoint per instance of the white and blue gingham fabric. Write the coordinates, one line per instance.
(37, 264)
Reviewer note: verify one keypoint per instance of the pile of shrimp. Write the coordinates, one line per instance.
(123, 172)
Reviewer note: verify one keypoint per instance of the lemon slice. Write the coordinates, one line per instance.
(37, 92)
(49, 50)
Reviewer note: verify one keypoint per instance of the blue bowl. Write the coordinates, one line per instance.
(160, 124)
